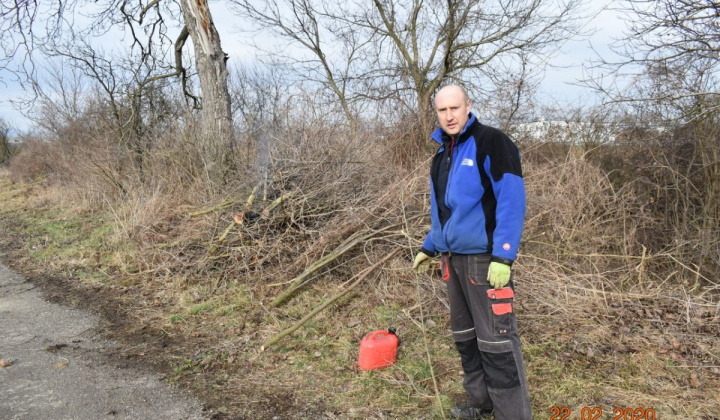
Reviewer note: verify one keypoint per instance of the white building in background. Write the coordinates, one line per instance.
(577, 132)
(565, 132)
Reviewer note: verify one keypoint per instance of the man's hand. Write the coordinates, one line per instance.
(421, 263)
(498, 275)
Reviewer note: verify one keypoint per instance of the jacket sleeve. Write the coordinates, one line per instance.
(428, 247)
(509, 189)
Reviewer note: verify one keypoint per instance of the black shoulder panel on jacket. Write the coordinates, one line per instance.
(504, 155)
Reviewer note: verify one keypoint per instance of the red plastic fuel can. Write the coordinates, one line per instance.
(378, 349)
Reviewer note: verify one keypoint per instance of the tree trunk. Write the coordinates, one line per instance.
(217, 129)
(425, 114)
(426, 120)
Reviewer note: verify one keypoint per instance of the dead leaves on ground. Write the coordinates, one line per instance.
(62, 364)
(658, 339)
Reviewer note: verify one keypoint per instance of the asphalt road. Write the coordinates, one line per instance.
(54, 365)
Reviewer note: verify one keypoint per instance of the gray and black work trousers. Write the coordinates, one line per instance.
(486, 338)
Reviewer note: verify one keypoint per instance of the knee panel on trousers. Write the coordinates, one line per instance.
(500, 370)
(469, 355)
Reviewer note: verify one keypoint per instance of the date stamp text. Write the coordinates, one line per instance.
(596, 413)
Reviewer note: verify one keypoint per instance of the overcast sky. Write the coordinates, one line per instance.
(557, 87)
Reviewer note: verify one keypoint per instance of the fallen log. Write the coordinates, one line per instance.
(359, 278)
(341, 249)
(227, 203)
(220, 206)
(270, 207)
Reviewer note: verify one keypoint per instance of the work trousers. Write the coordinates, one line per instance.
(486, 338)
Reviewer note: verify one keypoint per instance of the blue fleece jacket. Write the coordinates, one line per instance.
(482, 208)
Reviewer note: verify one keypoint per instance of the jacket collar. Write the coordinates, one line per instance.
(440, 136)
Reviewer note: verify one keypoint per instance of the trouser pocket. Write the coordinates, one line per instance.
(477, 270)
(502, 313)
(501, 370)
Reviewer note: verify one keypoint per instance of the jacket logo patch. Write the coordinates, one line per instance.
(506, 246)
(467, 162)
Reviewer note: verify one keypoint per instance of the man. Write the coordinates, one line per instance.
(477, 210)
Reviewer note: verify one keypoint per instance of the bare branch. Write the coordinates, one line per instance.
(668, 57)
(406, 50)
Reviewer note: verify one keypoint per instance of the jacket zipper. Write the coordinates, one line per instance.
(447, 191)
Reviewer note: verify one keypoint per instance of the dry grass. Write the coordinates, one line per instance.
(612, 324)
(607, 319)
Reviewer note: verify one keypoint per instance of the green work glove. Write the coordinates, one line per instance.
(421, 263)
(498, 275)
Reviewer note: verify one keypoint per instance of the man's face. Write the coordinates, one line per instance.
(452, 108)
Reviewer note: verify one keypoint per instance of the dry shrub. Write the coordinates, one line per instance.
(607, 303)
(575, 216)
(580, 242)
(675, 175)
(589, 230)
(587, 276)
(331, 184)
(32, 161)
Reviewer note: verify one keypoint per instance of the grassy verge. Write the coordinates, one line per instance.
(587, 344)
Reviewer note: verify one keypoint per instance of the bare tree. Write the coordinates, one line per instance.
(337, 50)
(391, 49)
(147, 21)
(157, 56)
(211, 64)
(19, 34)
(63, 102)
(667, 73)
(668, 58)
(5, 151)
(464, 41)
